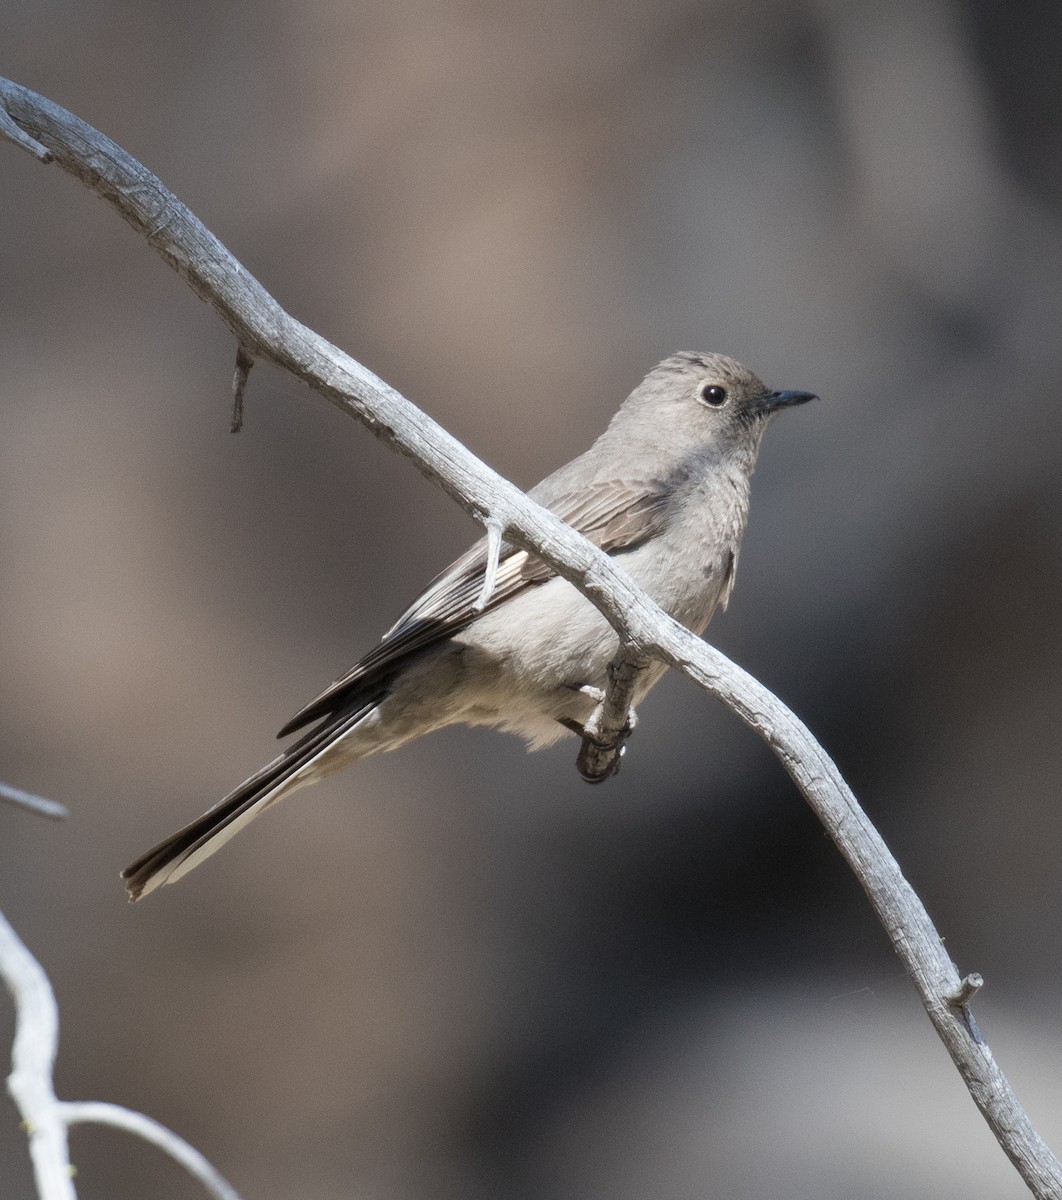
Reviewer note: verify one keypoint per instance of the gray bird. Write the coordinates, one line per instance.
(665, 490)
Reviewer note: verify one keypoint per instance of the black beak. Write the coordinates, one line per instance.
(776, 400)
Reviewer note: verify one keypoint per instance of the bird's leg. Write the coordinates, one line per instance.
(592, 693)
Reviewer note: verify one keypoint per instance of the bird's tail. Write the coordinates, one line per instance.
(188, 847)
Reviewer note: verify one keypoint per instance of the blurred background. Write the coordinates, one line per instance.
(457, 971)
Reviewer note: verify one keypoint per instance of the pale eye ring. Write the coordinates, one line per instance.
(713, 395)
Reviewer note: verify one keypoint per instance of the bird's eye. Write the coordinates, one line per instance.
(713, 395)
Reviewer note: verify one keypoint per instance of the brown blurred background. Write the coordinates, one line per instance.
(457, 971)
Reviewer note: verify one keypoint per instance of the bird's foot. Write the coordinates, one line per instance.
(600, 757)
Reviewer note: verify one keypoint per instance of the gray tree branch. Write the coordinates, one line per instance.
(38, 804)
(97, 1112)
(267, 332)
(45, 1117)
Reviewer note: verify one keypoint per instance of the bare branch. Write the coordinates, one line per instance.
(37, 804)
(258, 321)
(32, 1063)
(98, 1113)
(46, 1117)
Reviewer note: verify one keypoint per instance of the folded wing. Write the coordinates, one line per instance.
(616, 515)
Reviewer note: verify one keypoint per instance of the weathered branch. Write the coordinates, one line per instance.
(270, 333)
(46, 1117)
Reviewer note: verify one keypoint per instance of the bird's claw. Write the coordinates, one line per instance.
(599, 759)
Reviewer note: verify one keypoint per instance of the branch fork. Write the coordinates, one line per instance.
(45, 1118)
(14, 133)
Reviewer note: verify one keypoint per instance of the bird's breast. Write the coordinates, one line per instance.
(689, 569)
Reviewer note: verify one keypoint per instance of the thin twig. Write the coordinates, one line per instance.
(37, 804)
(969, 988)
(257, 319)
(96, 1112)
(244, 363)
(490, 571)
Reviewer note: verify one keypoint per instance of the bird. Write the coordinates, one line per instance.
(664, 491)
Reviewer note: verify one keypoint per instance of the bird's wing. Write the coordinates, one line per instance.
(616, 515)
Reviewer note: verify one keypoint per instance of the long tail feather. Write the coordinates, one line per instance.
(188, 847)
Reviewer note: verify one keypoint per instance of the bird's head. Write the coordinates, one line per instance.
(713, 393)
